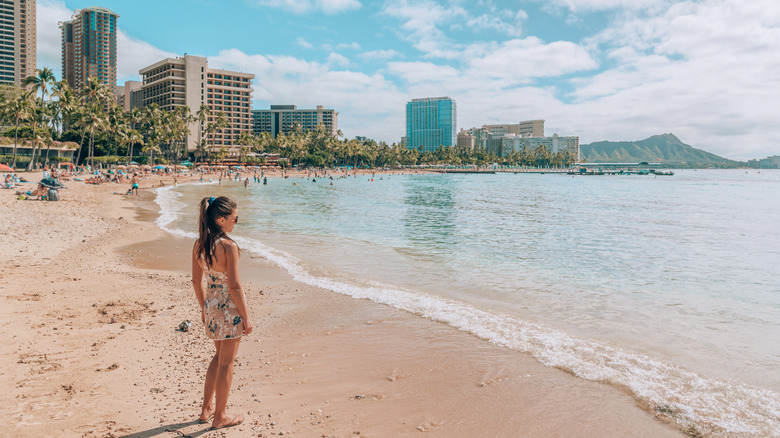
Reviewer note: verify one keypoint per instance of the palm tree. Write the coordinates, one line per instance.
(136, 117)
(41, 81)
(116, 123)
(201, 149)
(262, 142)
(19, 109)
(38, 120)
(181, 126)
(95, 98)
(153, 120)
(247, 141)
(150, 148)
(95, 92)
(41, 138)
(222, 154)
(202, 114)
(133, 137)
(220, 122)
(64, 104)
(79, 119)
(95, 119)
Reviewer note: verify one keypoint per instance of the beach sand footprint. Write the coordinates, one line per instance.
(120, 312)
(39, 363)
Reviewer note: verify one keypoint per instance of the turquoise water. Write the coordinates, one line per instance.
(667, 286)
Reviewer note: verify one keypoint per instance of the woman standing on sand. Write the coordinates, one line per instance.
(223, 304)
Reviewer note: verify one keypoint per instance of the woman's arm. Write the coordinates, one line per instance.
(234, 283)
(197, 277)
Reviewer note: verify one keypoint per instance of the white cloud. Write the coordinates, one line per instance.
(134, 54)
(49, 13)
(348, 46)
(420, 24)
(337, 60)
(601, 5)
(379, 55)
(506, 21)
(706, 71)
(309, 6)
(520, 60)
(417, 72)
(301, 41)
(328, 47)
(369, 104)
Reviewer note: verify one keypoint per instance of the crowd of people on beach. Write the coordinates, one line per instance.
(162, 176)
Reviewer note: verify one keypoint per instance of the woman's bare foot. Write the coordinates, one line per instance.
(205, 415)
(227, 421)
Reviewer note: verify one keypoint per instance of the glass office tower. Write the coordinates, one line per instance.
(89, 47)
(430, 123)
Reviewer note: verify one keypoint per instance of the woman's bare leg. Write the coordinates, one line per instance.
(225, 360)
(209, 387)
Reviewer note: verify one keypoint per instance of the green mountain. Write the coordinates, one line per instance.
(665, 149)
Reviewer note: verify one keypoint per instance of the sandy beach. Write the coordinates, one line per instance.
(94, 293)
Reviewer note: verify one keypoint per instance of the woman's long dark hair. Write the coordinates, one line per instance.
(209, 230)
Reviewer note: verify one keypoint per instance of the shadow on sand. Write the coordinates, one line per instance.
(174, 427)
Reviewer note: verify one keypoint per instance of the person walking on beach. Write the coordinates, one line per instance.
(223, 305)
(134, 186)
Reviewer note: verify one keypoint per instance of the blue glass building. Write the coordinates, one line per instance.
(430, 123)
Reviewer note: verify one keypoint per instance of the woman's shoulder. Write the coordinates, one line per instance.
(227, 243)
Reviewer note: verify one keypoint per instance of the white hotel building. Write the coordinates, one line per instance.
(188, 81)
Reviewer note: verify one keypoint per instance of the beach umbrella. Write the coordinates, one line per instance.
(158, 167)
(5, 168)
(186, 163)
(52, 183)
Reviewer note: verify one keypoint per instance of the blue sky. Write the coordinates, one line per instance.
(705, 70)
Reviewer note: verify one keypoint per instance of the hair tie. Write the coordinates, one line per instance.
(211, 199)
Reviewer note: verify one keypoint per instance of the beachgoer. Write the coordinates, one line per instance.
(246, 183)
(134, 186)
(223, 306)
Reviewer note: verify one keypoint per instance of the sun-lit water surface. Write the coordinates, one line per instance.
(678, 269)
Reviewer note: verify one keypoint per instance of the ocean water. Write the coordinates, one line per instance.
(668, 287)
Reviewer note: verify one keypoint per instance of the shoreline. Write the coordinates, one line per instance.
(108, 361)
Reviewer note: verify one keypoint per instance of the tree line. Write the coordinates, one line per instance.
(45, 110)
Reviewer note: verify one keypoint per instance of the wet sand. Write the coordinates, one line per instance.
(94, 293)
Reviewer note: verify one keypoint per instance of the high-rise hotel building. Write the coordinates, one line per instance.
(188, 81)
(430, 123)
(284, 118)
(89, 47)
(18, 40)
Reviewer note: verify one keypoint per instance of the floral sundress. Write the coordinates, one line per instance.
(222, 318)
